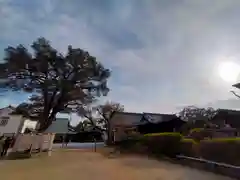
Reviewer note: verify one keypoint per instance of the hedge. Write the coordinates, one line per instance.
(164, 134)
(225, 150)
(229, 139)
(188, 147)
(196, 130)
(167, 144)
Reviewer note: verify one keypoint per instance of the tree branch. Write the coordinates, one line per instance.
(235, 94)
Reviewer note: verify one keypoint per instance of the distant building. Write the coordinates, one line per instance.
(156, 123)
(12, 124)
(60, 126)
(123, 124)
(227, 117)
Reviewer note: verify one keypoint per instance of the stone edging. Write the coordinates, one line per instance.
(223, 170)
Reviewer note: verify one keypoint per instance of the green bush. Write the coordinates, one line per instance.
(188, 147)
(199, 135)
(167, 144)
(196, 130)
(228, 139)
(132, 145)
(164, 134)
(225, 150)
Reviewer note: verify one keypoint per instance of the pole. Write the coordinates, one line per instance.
(70, 119)
(95, 145)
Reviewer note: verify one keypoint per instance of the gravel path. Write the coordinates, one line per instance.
(79, 164)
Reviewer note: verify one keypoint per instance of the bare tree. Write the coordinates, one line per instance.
(193, 113)
(100, 116)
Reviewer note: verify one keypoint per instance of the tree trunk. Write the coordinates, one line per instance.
(44, 124)
(109, 134)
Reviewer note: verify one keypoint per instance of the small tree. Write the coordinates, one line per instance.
(193, 113)
(100, 116)
(82, 126)
(197, 117)
(106, 112)
(56, 82)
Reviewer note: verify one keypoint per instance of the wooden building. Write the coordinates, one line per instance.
(124, 124)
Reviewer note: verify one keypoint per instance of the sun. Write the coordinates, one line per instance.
(229, 71)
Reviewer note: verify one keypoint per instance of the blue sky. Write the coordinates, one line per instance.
(163, 54)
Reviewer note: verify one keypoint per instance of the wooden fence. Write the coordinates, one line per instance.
(33, 142)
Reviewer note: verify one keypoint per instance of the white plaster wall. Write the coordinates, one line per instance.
(13, 124)
(28, 124)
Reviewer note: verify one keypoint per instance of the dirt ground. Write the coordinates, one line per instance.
(77, 164)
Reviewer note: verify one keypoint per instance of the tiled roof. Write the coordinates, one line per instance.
(8, 107)
(231, 117)
(156, 118)
(228, 111)
(148, 117)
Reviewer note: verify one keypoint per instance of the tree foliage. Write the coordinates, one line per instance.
(106, 111)
(193, 113)
(99, 116)
(57, 82)
(82, 126)
(197, 117)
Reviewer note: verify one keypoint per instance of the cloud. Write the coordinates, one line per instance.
(163, 54)
(226, 104)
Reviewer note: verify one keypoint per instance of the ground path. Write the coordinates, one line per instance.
(85, 165)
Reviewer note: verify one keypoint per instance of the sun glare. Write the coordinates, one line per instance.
(229, 71)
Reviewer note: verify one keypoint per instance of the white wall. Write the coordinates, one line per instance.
(29, 124)
(13, 124)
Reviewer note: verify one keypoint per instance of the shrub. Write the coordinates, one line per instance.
(228, 139)
(133, 144)
(164, 134)
(225, 150)
(199, 135)
(163, 143)
(196, 130)
(188, 147)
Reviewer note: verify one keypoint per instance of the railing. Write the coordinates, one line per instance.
(216, 167)
(209, 162)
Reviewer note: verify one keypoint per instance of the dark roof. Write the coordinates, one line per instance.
(230, 116)
(145, 118)
(130, 113)
(156, 117)
(8, 107)
(227, 112)
(147, 113)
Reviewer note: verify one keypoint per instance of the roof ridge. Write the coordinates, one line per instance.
(9, 106)
(159, 114)
(124, 112)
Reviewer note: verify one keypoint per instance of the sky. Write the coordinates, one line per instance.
(163, 54)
